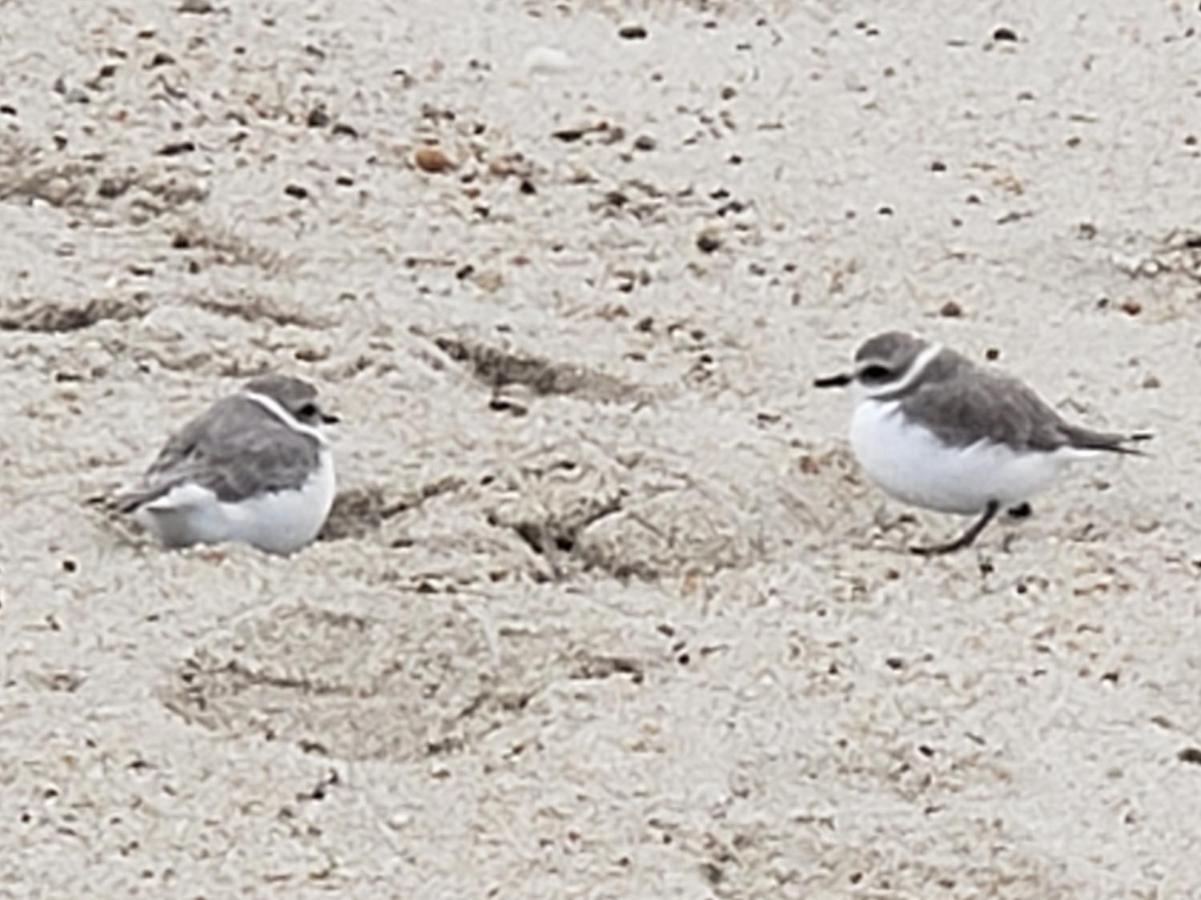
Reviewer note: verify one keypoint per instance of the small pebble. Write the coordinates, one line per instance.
(632, 32)
(951, 310)
(176, 148)
(547, 61)
(708, 241)
(1131, 307)
(644, 142)
(1004, 34)
(432, 159)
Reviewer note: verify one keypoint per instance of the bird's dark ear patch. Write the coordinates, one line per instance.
(875, 373)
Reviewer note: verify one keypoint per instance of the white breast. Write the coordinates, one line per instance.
(284, 521)
(913, 465)
(278, 522)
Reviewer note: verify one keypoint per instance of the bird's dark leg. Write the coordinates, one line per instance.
(965, 539)
(1021, 511)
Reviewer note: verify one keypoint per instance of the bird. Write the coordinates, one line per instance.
(935, 430)
(254, 468)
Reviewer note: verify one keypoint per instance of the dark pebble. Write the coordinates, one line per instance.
(177, 148)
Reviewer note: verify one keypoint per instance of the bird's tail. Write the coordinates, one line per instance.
(1110, 442)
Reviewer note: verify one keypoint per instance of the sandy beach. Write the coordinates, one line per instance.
(605, 608)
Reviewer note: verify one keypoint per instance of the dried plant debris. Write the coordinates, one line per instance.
(501, 368)
(259, 308)
(43, 315)
(85, 185)
(1177, 253)
(359, 511)
(555, 533)
(226, 247)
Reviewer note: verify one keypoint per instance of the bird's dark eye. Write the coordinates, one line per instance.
(308, 411)
(874, 373)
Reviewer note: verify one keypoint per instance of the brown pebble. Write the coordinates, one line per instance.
(1131, 307)
(992, 354)
(632, 32)
(432, 159)
(1151, 382)
(1190, 755)
(1004, 34)
(951, 310)
(644, 142)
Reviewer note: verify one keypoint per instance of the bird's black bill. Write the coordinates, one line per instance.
(840, 380)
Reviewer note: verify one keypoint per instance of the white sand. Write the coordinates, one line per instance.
(719, 675)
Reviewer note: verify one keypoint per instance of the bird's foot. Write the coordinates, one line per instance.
(964, 540)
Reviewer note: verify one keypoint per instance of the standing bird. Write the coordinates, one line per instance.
(935, 430)
(254, 468)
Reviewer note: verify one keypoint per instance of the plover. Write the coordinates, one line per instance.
(935, 430)
(254, 468)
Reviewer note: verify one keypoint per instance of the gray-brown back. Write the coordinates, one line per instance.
(963, 403)
(237, 449)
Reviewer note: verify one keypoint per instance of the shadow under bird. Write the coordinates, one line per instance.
(935, 430)
(254, 468)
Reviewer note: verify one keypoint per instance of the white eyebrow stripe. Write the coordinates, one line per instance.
(275, 408)
(920, 362)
